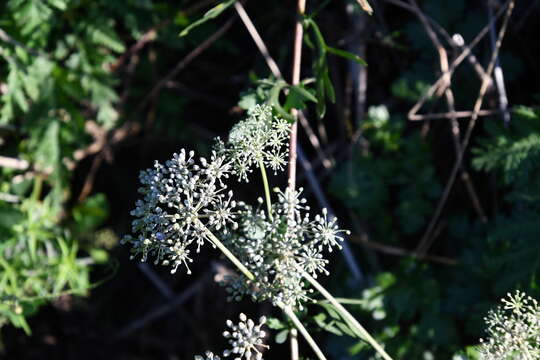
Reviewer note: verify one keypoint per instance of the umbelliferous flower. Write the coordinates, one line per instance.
(207, 356)
(257, 141)
(246, 338)
(181, 201)
(278, 250)
(514, 330)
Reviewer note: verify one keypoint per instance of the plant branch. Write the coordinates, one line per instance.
(297, 60)
(215, 241)
(353, 323)
(290, 313)
(425, 242)
(266, 190)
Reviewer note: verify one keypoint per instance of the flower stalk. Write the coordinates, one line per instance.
(298, 324)
(353, 323)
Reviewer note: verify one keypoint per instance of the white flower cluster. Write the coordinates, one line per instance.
(182, 201)
(278, 250)
(207, 356)
(258, 140)
(244, 338)
(514, 330)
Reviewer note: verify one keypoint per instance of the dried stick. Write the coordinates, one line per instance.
(185, 61)
(162, 310)
(397, 251)
(14, 163)
(297, 59)
(454, 114)
(412, 114)
(151, 34)
(130, 126)
(498, 73)
(449, 39)
(257, 39)
(425, 242)
(443, 59)
(296, 67)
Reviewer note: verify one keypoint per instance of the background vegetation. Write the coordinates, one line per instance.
(94, 91)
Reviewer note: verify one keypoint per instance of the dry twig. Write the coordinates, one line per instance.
(425, 242)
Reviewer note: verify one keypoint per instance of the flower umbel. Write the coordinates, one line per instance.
(514, 330)
(278, 250)
(258, 141)
(181, 200)
(207, 356)
(245, 338)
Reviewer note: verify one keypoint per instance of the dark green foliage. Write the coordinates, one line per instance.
(396, 170)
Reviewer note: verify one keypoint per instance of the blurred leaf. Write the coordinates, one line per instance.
(281, 336)
(210, 14)
(347, 55)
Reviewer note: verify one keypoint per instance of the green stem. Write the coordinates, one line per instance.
(227, 253)
(361, 332)
(290, 313)
(36, 191)
(266, 190)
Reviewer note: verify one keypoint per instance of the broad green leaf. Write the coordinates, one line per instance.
(210, 14)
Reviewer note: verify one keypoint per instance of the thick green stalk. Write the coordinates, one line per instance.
(227, 253)
(290, 313)
(266, 190)
(359, 329)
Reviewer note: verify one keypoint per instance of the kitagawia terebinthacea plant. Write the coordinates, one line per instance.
(185, 199)
(514, 330)
(278, 251)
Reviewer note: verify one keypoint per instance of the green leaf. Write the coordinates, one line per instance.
(275, 323)
(297, 97)
(281, 336)
(273, 100)
(346, 55)
(91, 213)
(345, 328)
(210, 14)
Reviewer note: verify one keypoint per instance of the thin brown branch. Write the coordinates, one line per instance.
(297, 60)
(449, 95)
(397, 251)
(425, 242)
(257, 39)
(151, 34)
(14, 163)
(186, 61)
(453, 114)
(459, 59)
